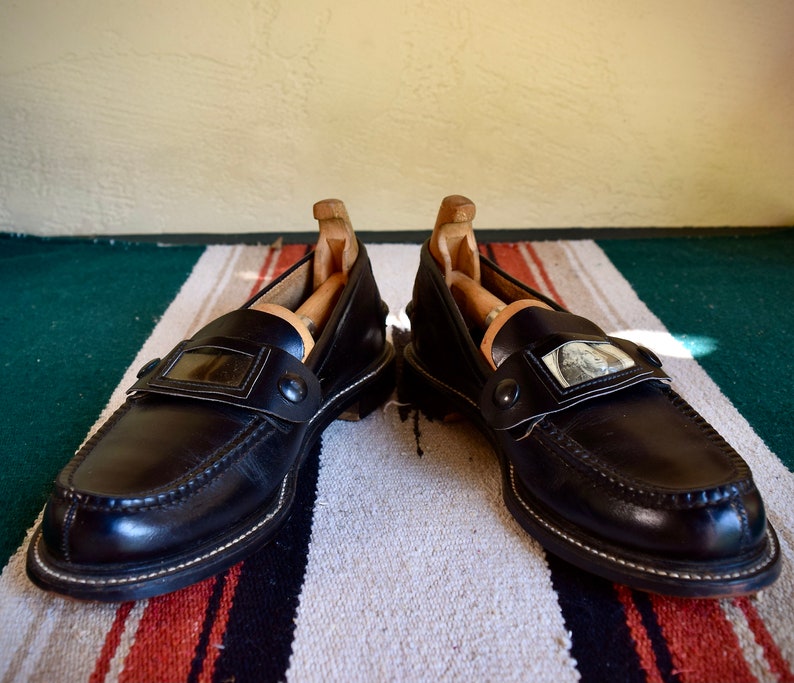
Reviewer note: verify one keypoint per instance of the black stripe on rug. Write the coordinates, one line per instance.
(664, 660)
(258, 641)
(601, 642)
(210, 615)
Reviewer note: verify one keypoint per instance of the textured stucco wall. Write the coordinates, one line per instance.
(199, 116)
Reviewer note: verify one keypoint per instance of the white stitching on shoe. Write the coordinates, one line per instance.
(167, 570)
(688, 576)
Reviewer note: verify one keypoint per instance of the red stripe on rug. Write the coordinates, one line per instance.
(111, 644)
(284, 257)
(702, 642)
(777, 662)
(549, 287)
(165, 643)
(642, 642)
(215, 644)
(290, 254)
(510, 258)
(522, 261)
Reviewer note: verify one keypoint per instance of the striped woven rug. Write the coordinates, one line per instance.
(400, 562)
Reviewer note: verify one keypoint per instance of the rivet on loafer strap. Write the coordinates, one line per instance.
(650, 356)
(292, 387)
(506, 393)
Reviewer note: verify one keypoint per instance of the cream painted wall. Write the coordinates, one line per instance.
(202, 116)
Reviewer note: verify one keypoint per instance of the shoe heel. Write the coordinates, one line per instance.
(416, 388)
(373, 396)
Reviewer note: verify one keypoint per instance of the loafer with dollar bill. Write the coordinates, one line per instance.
(198, 468)
(602, 461)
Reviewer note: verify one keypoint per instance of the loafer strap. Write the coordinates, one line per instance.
(560, 371)
(239, 372)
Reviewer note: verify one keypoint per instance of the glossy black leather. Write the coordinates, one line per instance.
(189, 476)
(631, 483)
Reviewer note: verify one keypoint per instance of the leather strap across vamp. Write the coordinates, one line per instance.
(602, 461)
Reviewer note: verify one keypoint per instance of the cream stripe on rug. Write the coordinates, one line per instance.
(416, 571)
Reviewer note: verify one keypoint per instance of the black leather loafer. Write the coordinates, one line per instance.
(602, 461)
(198, 468)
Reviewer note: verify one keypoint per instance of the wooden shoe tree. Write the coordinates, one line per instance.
(454, 248)
(334, 255)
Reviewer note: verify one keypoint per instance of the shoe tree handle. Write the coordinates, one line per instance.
(452, 243)
(337, 248)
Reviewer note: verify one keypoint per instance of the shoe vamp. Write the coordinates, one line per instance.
(644, 438)
(640, 471)
(165, 446)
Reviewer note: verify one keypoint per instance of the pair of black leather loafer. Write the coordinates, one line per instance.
(602, 461)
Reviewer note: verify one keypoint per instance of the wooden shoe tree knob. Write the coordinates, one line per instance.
(454, 248)
(452, 243)
(334, 256)
(337, 247)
